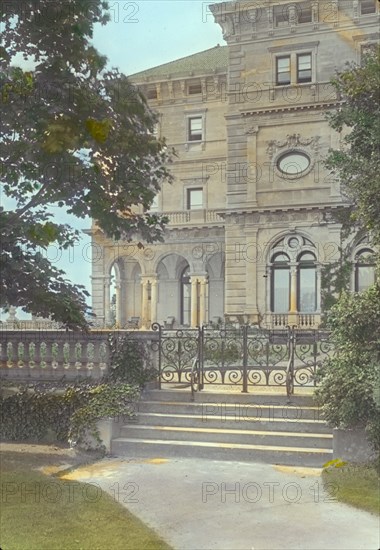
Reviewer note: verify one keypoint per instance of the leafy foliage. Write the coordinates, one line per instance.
(105, 401)
(357, 164)
(130, 361)
(75, 134)
(34, 410)
(335, 279)
(65, 413)
(350, 379)
(70, 411)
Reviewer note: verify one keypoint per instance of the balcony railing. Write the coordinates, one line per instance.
(193, 217)
(301, 320)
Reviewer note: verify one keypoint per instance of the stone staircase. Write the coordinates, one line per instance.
(227, 426)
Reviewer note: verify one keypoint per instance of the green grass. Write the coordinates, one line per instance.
(355, 484)
(65, 515)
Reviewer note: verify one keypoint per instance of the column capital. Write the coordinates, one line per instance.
(198, 276)
(148, 279)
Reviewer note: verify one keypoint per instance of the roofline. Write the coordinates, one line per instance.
(168, 63)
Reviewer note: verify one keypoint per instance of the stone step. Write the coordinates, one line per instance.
(200, 421)
(153, 448)
(225, 435)
(206, 396)
(233, 410)
(227, 426)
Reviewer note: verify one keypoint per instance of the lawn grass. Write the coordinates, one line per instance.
(355, 484)
(47, 513)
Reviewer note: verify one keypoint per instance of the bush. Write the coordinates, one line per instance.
(130, 362)
(69, 411)
(349, 390)
(36, 410)
(105, 401)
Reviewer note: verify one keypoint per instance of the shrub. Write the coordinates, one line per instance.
(130, 361)
(35, 410)
(104, 401)
(349, 390)
(69, 411)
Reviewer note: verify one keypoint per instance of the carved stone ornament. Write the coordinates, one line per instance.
(252, 130)
(292, 141)
(228, 26)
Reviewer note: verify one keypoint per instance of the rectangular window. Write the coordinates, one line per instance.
(365, 277)
(367, 6)
(304, 16)
(151, 93)
(281, 291)
(195, 89)
(307, 295)
(304, 67)
(154, 205)
(281, 16)
(283, 70)
(195, 129)
(195, 199)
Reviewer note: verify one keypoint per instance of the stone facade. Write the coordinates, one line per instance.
(251, 205)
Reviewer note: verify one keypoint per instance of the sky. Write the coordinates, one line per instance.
(141, 34)
(147, 33)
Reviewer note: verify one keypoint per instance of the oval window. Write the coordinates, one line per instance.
(293, 164)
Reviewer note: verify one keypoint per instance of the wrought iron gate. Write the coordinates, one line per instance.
(244, 357)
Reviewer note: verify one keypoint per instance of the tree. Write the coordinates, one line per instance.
(349, 391)
(75, 134)
(357, 164)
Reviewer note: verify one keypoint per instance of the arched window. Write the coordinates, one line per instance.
(364, 269)
(280, 283)
(294, 279)
(185, 297)
(307, 283)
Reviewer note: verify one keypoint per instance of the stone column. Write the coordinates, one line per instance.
(107, 305)
(144, 303)
(202, 299)
(153, 301)
(118, 305)
(293, 288)
(194, 301)
(268, 290)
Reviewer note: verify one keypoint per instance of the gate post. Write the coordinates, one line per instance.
(245, 359)
(290, 367)
(157, 327)
(200, 356)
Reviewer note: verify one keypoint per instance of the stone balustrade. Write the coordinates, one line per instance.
(301, 320)
(53, 355)
(185, 217)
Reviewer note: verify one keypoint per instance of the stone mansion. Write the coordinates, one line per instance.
(251, 208)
